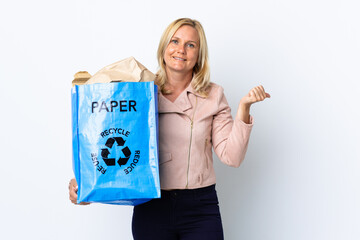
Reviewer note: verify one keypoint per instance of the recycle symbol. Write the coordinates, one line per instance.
(110, 147)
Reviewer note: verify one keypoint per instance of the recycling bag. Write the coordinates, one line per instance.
(115, 142)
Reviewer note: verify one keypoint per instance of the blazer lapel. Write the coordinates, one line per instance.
(180, 105)
(166, 106)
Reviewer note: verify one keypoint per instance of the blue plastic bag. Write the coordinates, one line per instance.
(115, 142)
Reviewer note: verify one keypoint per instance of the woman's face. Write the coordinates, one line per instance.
(182, 52)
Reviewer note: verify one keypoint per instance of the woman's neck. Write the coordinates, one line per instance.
(177, 82)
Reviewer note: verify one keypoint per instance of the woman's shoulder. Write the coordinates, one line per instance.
(215, 90)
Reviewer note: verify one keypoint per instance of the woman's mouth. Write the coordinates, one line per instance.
(180, 59)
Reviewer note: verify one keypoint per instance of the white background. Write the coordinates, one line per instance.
(301, 176)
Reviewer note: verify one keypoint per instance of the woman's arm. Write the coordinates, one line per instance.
(256, 94)
(230, 137)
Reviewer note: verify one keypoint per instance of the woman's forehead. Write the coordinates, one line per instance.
(187, 33)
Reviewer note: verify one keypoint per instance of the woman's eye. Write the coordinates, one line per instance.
(190, 45)
(174, 41)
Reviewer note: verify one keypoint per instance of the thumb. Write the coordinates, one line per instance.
(267, 95)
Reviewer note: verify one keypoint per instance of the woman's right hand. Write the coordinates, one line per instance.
(73, 188)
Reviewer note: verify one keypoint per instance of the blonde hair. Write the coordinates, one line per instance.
(201, 72)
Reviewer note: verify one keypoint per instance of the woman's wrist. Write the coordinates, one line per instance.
(243, 112)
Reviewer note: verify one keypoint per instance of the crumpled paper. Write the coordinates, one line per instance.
(126, 70)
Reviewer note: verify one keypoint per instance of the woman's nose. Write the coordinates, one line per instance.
(180, 48)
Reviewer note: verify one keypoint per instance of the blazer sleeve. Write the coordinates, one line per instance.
(230, 137)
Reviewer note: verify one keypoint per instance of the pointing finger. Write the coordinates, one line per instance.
(261, 92)
(254, 94)
(259, 95)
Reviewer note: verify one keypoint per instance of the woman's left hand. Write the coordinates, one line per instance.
(256, 94)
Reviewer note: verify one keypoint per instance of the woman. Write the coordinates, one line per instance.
(194, 116)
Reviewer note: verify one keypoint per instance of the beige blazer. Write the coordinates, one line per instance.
(189, 128)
